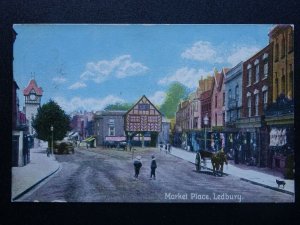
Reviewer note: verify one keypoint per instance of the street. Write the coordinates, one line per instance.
(107, 175)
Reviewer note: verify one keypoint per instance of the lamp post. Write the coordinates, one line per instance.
(52, 139)
(205, 119)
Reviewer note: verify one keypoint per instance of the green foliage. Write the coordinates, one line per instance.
(175, 93)
(118, 106)
(47, 115)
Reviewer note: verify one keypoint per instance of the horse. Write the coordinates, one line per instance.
(217, 160)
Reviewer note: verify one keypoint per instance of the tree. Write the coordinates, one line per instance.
(119, 106)
(51, 114)
(175, 93)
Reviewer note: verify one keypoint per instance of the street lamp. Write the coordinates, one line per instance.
(52, 139)
(205, 119)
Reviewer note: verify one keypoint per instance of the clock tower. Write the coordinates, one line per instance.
(33, 95)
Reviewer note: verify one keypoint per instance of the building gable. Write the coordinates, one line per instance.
(143, 116)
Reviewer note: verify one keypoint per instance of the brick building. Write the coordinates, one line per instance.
(257, 89)
(206, 86)
(280, 114)
(217, 100)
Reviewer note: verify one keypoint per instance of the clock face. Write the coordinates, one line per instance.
(32, 97)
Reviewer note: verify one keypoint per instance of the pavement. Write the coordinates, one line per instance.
(38, 169)
(41, 167)
(255, 175)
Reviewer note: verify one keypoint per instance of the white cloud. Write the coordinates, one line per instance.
(89, 104)
(77, 85)
(59, 80)
(120, 67)
(187, 76)
(158, 97)
(201, 51)
(241, 54)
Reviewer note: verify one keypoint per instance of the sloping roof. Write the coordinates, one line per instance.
(140, 101)
(110, 113)
(32, 85)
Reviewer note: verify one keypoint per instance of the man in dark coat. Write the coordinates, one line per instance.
(137, 166)
(197, 161)
(153, 167)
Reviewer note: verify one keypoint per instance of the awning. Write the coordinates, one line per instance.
(89, 139)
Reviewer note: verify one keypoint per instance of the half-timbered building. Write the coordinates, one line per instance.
(143, 118)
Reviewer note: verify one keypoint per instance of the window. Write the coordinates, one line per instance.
(257, 73)
(282, 81)
(249, 105)
(276, 52)
(283, 84)
(216, 119)
(249, 76)
(223, 98)
(266, 69)
(277, 86)
(291, 81)
(236, 92)
(265, 99)
(229, 94)
(291, 41)
(111, 130)
(111, 121)
(282, 47)
(256, 104)
(216, 99)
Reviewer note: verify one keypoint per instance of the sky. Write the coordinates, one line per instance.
(87, 67)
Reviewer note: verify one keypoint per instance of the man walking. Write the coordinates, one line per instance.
(137, 166)
(197, 161)
(153, 167)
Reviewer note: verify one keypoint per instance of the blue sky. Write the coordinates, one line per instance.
(86, 67)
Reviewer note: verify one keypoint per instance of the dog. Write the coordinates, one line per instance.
(280, 182)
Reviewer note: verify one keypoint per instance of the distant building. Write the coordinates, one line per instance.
(33, 95)
(217, 100)
(206, 86)
(257, 76)
(279, 116)
(233, 95)
(109, 127)
(164, 135)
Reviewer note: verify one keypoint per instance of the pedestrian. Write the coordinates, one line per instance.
(137, 166)
(161, 146)
(169, 147)
(166, 147)
(153, 167)
(236, 155)
(197, 161)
